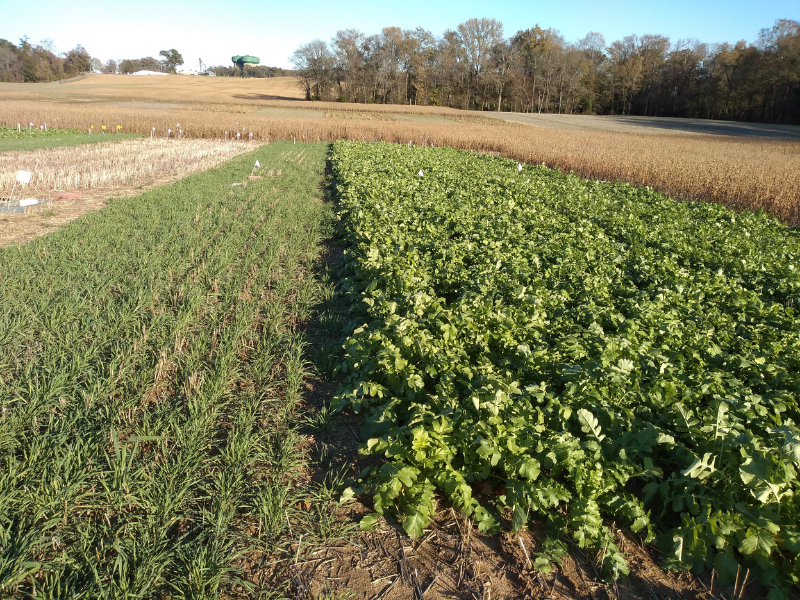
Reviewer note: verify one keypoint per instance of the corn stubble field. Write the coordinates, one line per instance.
(124, 163)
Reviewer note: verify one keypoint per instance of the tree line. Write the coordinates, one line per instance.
(536, 70)
(34, 63)
(255, 71)
(40, 62)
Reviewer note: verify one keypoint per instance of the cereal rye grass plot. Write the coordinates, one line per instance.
(151, 371)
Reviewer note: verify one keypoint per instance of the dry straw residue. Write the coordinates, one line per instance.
(124, 163)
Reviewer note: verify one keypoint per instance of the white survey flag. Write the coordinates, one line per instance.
(258, 165)
(519, 167)
(24, 176)
(420, 173)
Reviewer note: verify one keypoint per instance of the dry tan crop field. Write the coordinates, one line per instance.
(741, 172)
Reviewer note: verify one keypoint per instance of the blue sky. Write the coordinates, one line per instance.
(215, 30)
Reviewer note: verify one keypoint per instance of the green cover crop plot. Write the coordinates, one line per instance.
(33, 139)
(150, 370)
(534, 345)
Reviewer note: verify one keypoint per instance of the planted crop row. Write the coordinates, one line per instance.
(149, 377)
(537, 346)
(23, 133)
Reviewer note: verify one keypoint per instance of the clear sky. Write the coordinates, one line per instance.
(214, 30)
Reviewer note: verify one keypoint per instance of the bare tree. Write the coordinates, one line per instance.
(504, 58)
(478, 37)
(474, 66)
(348, 52)
(313, 64)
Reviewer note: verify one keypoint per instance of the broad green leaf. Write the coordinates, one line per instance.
(520, 518)
(529, 469)
(368, 521)
(701, 469)
(407, 476)
(726, 565)
(755, 475)
(758, 540)
(347, 495)
(589, 424)
(414, 523)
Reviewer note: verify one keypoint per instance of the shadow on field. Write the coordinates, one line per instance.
(265, 97)
(725, 128)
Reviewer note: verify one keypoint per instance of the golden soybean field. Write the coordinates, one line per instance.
(743, 173)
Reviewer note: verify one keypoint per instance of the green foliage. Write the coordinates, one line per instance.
(35, 138)
(591, 351)
(172, 58)
(12, 133)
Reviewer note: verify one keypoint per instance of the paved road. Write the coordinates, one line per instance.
(653, 125)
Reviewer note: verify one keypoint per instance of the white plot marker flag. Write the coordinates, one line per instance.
(420, 173)
(22, 177)
(519, 167)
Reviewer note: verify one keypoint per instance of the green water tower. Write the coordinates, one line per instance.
(241, 61)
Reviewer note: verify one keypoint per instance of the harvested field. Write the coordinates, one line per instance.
(100, 171)
(741, 169)
(632, 124)
(170, 88)
(128, 162)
